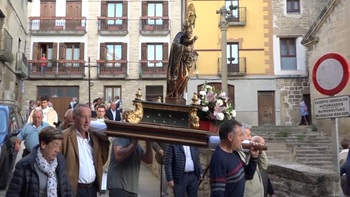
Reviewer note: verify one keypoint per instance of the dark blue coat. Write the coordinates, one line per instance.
(175, 162)
(345, 169)
(25, 180)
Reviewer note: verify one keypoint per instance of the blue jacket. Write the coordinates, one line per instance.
(175, 162)
(25, 180)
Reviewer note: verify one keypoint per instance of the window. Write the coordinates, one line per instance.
(235, 4)
(72, 53)
(153, 92)
(232, 50)
(49, 49)
(114, 9)
(110, 92)
(113, 52)
(293, 6)
(155, 11)
(288, 53)
(155, 55)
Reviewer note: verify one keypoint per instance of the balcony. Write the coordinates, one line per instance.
(114, 69)
(61, 69)
(153, 69)
(154, 26)
(72, 26)
(238, 17)
(6, 46)
(21, 65)
(235, 68)
(112, 26)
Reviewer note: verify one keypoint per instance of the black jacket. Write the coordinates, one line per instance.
(175, 160)
(25, 180)
(109, 115)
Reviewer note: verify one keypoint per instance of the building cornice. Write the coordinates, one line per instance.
(310, 38)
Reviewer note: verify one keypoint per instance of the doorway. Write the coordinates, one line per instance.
(266, 108)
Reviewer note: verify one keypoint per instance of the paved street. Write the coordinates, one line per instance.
(149, 184)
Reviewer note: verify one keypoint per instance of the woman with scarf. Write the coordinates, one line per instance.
(43, 172)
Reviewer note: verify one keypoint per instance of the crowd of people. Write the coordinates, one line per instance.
(78, 159)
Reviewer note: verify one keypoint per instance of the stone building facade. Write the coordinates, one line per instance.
(329, 34)
(13, 35)
(114, 44)
(290, 24)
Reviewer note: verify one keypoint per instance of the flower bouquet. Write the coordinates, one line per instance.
(214, 105)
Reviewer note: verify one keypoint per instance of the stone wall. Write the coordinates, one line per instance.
(292, 91)
(289, 180)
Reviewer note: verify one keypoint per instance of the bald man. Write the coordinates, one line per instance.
(67, 120)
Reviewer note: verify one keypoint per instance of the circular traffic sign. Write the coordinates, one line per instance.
(330, 74)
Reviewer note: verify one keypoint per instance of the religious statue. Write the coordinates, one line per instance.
(181, 59)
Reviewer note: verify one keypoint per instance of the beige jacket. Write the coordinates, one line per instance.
(70, 151)
(51, 116)
(255, 187)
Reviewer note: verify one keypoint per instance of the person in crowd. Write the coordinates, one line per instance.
(124, 167)
(113, 113)
(118, 103)
(43, 172)
(86, 152)
(345, 144)
(345, 169)
(183, 169)
(304, 120)
(43, 63)
(67, 120)
(160, 148)
(32, 106)
(50, 115)
(227, 171)
(30, 132)
(73, 103)
(100, 113)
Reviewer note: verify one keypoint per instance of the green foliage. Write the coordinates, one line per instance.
(314, 128)
(301, 137)
(282, 134)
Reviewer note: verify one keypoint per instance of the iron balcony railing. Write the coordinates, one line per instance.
(234, 67)
(112, 68)
(153, 68)
(21, 65)
(112, 23)
(6, 46)
(55, 23)
(149, 23)
(60, 68)
(237, 16)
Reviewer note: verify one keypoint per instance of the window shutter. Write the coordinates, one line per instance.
(144, 51)
(124, 51)
(165, 8)
(165, 51)
(81, 57)
(104, 8)
(125, 8)
(144, 8)
(35, 50)
(54, 50)
(103, 51)
(62, 52)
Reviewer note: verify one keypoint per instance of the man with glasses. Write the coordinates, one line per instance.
(86, 152)
(100, 113)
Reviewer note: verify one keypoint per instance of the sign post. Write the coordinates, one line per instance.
(330, 76)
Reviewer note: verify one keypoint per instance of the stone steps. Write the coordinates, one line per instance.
(299, 144)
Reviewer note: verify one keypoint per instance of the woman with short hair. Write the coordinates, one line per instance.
(43, 172)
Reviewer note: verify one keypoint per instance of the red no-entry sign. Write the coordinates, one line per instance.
(330, 74)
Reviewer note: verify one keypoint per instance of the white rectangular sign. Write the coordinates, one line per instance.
(332, 107)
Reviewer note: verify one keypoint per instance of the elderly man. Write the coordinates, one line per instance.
(67, 120)
(73, 103)
(31, 132)
(85, 152)
(50, 115)
(227, 171)
(113, 113)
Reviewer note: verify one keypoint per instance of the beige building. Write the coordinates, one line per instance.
(13, 62)
(126, 44)
(291, 21)
(330, 33)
